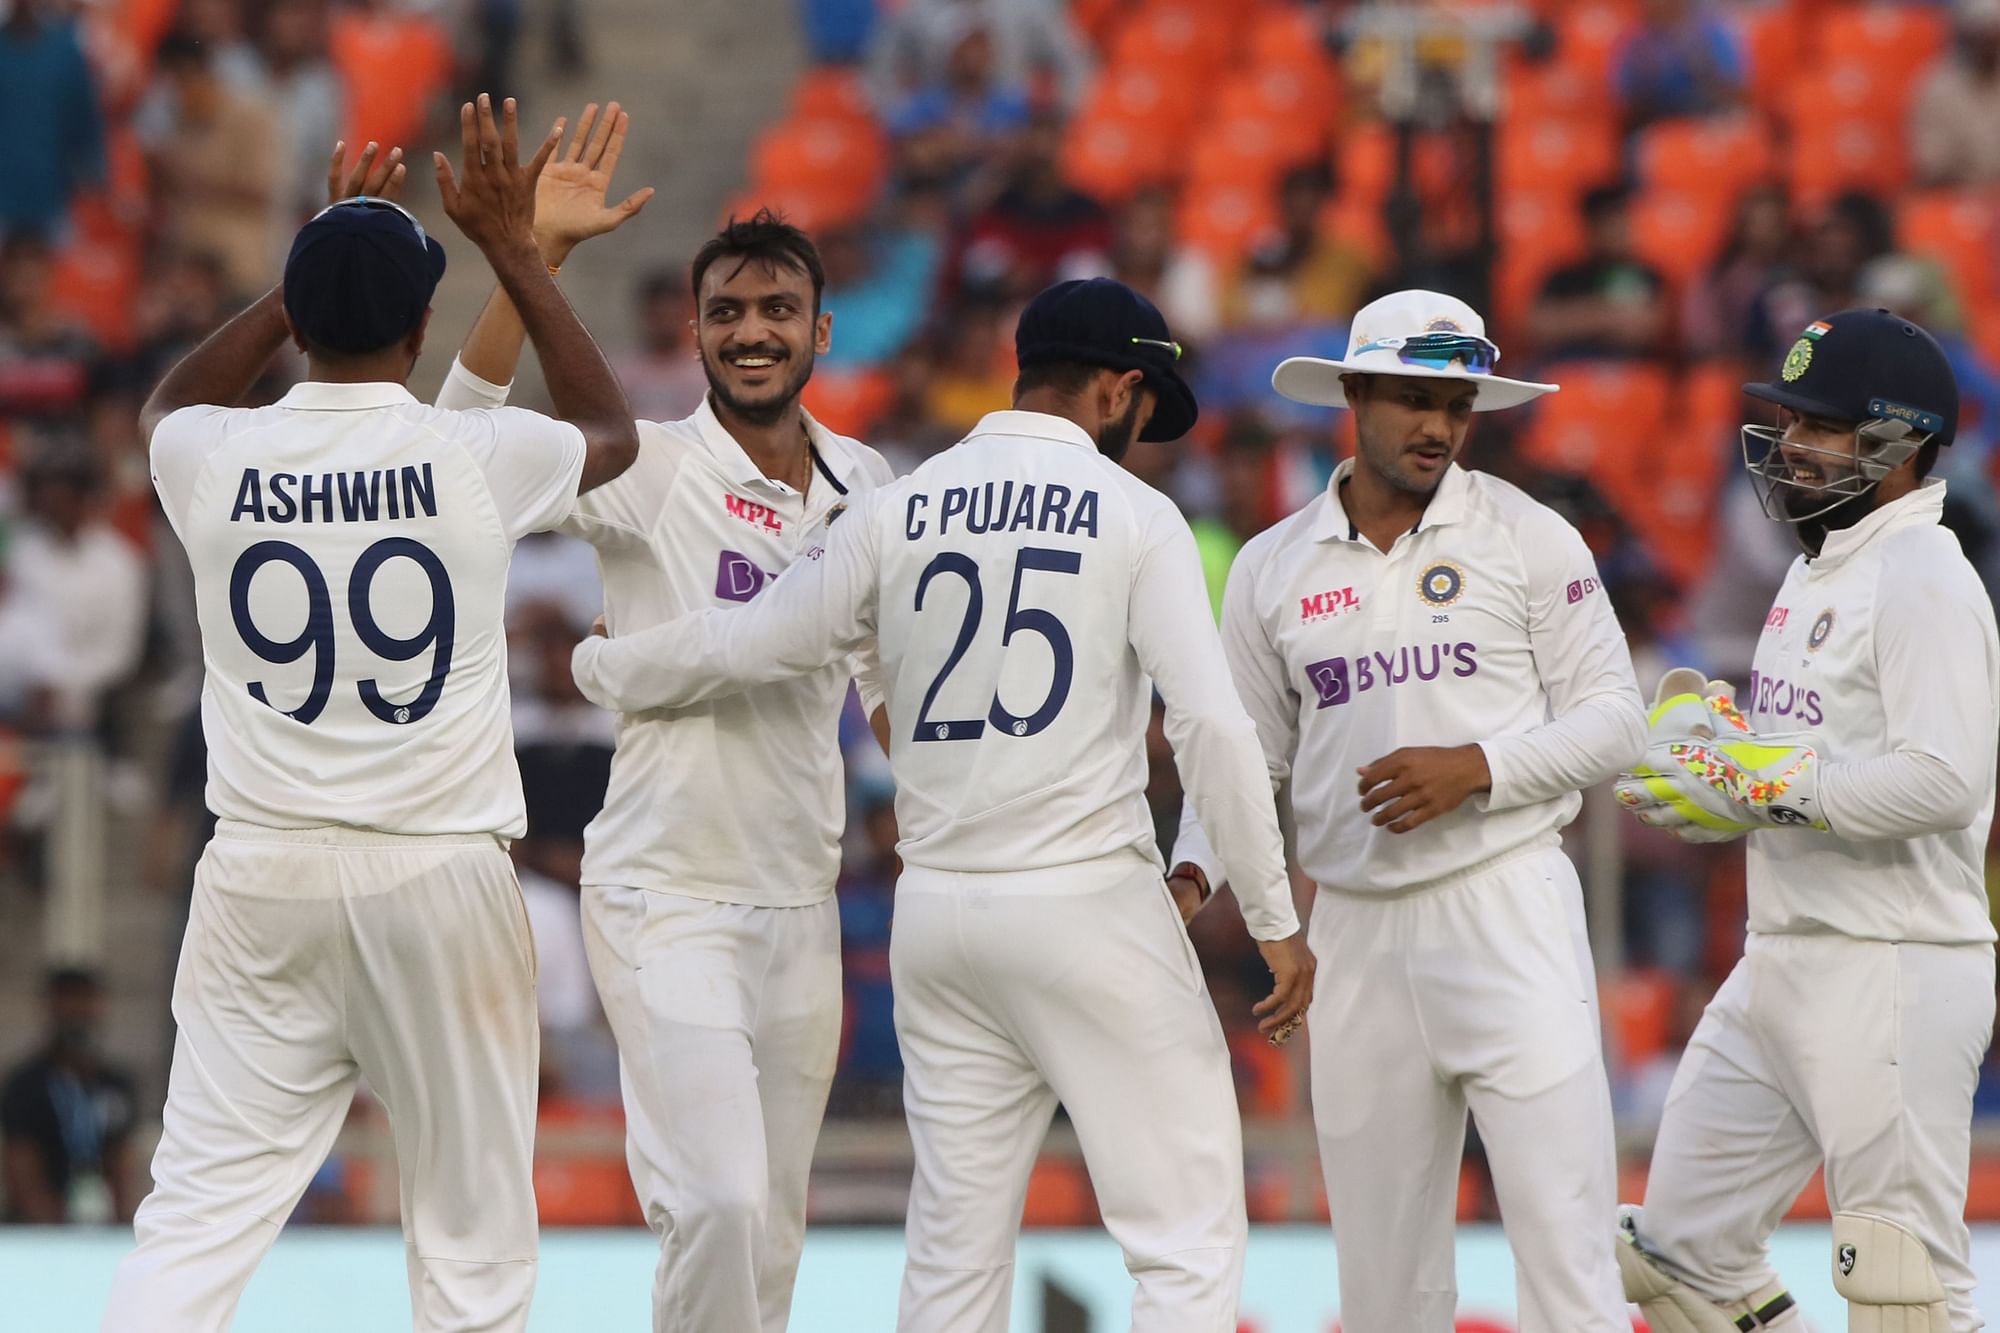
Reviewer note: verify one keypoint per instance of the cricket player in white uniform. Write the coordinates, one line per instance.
(1027, 595)
(708, 905)
(1860, 764)
(1445, 638)
(355, 913)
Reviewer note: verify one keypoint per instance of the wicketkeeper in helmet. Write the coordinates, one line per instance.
(1859, 760)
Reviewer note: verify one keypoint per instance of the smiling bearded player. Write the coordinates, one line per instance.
(1861, 765)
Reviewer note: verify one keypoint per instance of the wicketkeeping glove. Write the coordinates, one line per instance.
(1712, 789)
(1687, 703)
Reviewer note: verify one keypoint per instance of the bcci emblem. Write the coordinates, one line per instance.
(1847, 1258)
(1797, 360)
(1442, 584)
(1820, 630)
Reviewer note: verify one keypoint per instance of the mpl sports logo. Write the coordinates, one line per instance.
(1336, 680)
(1326, 605)
(751, 512)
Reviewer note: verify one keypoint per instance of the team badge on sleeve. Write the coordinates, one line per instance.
(1442, 584)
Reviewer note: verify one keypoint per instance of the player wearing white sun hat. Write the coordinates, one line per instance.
(1448, 639)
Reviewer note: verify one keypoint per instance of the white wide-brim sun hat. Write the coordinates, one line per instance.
(1387, 333)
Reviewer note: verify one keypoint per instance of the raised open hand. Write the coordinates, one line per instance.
(492, 196)
(570, 198)
(377, 180)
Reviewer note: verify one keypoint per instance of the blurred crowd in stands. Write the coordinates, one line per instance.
(1648, 197)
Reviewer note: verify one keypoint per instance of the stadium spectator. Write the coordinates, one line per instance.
(1246, 507)
(662, 374)
(949, 130)
(1301, 275)
(80, 588)
(51, 131)
(216, 167)
(1180, 280)
(1853, 230)
(1716, 315)
(879, 283)
(1681, 60)
(1608, 304)
(1035, 48)
(66, 1117)
(1639, 1096)
(291, 42)
(48, 363)
(870, 1081)
(976, 374)
(1958, 104)
(1039, 229)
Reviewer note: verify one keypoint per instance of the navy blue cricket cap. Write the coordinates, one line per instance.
(1102, 322)
(1867, 365)
(360, 275)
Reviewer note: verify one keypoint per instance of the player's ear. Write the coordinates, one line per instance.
(822, 333)
(414, 344)
(1124, 392)
(292, 329)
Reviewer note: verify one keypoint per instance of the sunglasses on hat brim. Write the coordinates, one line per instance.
(377, 203)
(1438, 351)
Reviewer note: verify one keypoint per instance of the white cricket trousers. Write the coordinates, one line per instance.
(1076, 984)
(1859, 1053)
(312, 957)
(1475, 990)
(728, 1025)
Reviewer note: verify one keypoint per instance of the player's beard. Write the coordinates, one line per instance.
(1813, 531)
(763, 411)
(1114, 438)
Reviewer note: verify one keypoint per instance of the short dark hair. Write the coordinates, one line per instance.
(181, 49)
(764, 238)
(1065, 377)
(1606, 200)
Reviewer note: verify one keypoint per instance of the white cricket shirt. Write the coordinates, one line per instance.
(1881, 649)
(1484, 623)
(349, 548)
(738, 799)
(1022, 589)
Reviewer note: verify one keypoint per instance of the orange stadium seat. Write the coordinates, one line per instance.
(828, 92)
(1897, 39)
(1606, 414)
(1295, 106)
(1638, 1004)
(841, 161)
(1110, 157)
(849, 402)
(1845, 88)
(1365, 162)
(586, 1192)
(1539, 231)
(1869, 153)
(1588, 36)
(393, 67)
(1768, 36)
(1359, 223)
(1289, 37)
(1551, 90)
(1680, 233)
(1185, 43)
(1709, 155)
(1961, 230)
(1145, 96)
(1226, 220)
(1059, 1195)
(1572, 154)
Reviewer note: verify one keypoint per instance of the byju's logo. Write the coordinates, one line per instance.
(1582, 588)
(1335, 680)
(737, 577)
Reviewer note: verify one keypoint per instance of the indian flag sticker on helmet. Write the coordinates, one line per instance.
(1818, 329)
(1797, 360)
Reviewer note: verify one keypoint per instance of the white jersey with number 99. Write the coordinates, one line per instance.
(350, 548)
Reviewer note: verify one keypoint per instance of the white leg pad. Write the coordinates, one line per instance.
(1671, 1306)
(1886, 1276)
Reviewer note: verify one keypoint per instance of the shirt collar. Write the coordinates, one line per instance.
(1923, 506)
(325, 396)
(1448, 504)
(831, 458)
(1034, 425)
